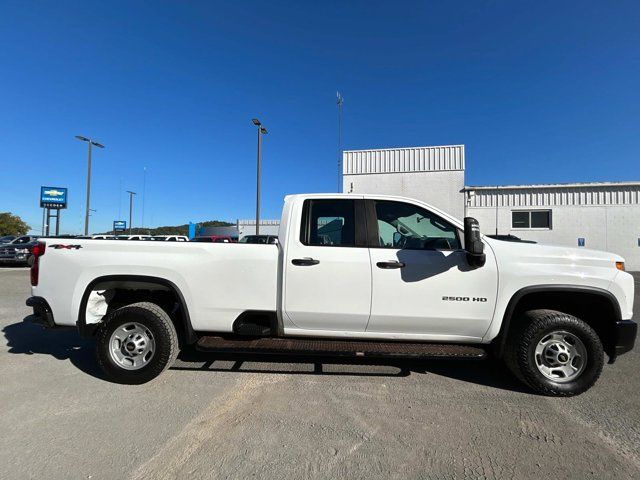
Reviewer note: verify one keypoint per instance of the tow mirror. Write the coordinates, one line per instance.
(472, 243)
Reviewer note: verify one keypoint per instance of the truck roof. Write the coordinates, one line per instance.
(305, 196)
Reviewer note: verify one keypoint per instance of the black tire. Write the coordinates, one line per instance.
(163, 332)
(534, 326)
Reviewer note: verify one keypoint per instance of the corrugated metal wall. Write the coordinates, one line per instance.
(557, 196)
(399, 160)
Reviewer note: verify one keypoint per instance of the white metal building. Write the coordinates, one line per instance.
(602, 216)
(243, 228)
(248, 227)
(432, 174)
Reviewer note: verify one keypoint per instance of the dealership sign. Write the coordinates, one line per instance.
(53, 197)
(119, 225)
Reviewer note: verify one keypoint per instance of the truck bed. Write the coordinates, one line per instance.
(218, 281)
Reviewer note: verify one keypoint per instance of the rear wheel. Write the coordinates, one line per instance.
(136, 343)
(555, 353)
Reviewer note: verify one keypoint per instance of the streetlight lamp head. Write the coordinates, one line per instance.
(132, 193)
(263, 130)
(256, 122)
(96, 144)
(84, 139)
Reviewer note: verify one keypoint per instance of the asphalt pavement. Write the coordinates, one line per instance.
(238, 417)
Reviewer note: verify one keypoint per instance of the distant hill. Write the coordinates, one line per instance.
(172, 230)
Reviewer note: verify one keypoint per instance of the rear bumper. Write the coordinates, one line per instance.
(13, 260)
(624, 337)
(41, 311)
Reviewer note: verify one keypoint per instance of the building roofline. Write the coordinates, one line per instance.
(401, 148)
(469, 188)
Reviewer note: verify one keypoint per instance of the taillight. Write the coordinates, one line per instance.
(37, 251)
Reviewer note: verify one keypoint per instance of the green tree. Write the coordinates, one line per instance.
(12, 225)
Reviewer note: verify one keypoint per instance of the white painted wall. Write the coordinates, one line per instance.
(440, 189)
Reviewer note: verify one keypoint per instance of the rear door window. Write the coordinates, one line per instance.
(328, 223)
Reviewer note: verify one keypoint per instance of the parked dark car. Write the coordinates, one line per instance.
(260, 239)
(18, 252)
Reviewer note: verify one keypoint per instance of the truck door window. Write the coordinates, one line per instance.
(328, 223)
(403, 225)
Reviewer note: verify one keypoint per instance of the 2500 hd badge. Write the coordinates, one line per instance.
(464, 299)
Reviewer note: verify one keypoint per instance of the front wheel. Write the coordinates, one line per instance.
(554, 353)
(136, 343)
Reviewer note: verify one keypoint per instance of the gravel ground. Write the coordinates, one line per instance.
(260, 417)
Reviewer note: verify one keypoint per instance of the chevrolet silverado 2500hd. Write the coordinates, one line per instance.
(350, 275)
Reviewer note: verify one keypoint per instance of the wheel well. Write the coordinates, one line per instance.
(598, 308)
(119, 291)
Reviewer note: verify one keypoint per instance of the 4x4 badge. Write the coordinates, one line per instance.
(59, 246)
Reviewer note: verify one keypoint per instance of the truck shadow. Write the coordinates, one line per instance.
(29, 338)
(66, 344)
(489, 373)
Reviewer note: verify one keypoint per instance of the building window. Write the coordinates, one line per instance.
(531, 219)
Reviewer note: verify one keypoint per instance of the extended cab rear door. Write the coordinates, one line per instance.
(327, 284)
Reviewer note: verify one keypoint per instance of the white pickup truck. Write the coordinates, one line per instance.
(359, 275)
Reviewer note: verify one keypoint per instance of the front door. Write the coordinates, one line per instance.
(327, 283)
(422, 283)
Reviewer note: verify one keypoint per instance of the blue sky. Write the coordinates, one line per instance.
(537, 91)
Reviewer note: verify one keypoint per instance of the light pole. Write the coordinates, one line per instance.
(261, 131)
(91, 143)
(131, 194)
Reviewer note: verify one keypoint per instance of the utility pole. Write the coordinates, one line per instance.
(91, 143)
(261, 131)
(339, 102)
(144, 190)
(131, 194)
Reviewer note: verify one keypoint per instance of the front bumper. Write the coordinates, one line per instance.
(41, 311)
(625, 333)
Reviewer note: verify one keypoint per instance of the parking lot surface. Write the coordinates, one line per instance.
(294, 417)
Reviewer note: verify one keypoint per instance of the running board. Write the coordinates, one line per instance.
(348, 348)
